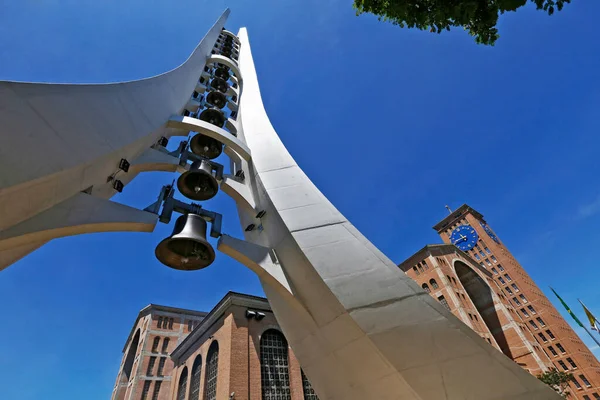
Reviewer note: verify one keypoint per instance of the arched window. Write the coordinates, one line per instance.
(433, 283)
(212, 366)
(309, 393)
(195, 383)
(426, 288)
(165, 345)
(182, 384)
(274, 372)
(155, 344)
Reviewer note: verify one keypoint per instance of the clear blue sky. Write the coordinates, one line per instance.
(390, 124)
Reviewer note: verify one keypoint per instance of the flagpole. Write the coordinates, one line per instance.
(592, 336)
(590, 316)
(574, 316)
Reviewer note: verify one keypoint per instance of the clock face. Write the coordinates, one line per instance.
(464, 237)
(489, 232)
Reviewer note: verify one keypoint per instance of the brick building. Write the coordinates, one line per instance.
(146, 367)
(468, 230)
(235, 352)
(469, 292)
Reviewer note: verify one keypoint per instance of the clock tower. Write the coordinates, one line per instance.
(468, 230)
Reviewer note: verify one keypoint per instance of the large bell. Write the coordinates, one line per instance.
(206, 147)
(187, 248)
(213, 116)
(217, 99)
(219, 84)
(225, 67)
(222, 73)
(198, 183)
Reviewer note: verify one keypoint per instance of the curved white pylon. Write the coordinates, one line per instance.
(366, 330)
(60, 139)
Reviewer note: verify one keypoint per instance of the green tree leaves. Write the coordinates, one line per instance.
(478, 17)
(557, 380)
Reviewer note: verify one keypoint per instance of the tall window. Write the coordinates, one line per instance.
(570, 361)
(530, 308)
(525, 313)
(577, 385)
(274, 373)
(433, 283)
(309, 393)
(550, 334)
(541, 321)
(155, 344)
(426, 288)
(508, 278)
(416, 271)
(541, 335)
(563, 365)
(190, 325)
(165, 345)
(159, 323)
(161, 366)
(195, 383)
(150, 366)
(425, 264)
(522, 296)
(584, 380)
(562, 349)
(533, 325)
(156, 390)
(170, 323)
(182, 386)
(145, 390)
(212, 366)
(443, 301)
(554, 353)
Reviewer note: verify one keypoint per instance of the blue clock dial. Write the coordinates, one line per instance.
(464, 237)
(489, 232)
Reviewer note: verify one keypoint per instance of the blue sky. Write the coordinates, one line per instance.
(390, 124)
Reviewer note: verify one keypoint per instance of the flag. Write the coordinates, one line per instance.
(568, 309)
(593, 320)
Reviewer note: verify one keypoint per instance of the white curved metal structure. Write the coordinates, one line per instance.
(59, 140)
(359, 326)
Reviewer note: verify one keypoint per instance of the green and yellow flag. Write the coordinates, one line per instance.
(593, 320)
(568, 309)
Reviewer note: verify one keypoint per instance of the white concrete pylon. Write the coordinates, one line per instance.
(359, 326)
(57, 140)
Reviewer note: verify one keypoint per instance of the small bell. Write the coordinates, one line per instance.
(217, 99)
(222, 73)
(213, 116)
(187, 248)
(206, 147)
(219, 84)
(198, 183)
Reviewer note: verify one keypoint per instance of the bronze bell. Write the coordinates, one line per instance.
(222, 73)
(219, 84)
(217, 99)
(213, 116)
(198, 183)
(206, 147)
(187, 248)
(225, 67)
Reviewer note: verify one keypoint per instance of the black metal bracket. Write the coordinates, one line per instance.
(170, 204)
(184, 155)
